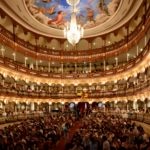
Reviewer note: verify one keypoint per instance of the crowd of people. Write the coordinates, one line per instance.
(41, 133)
(97, 131)
(108, 132)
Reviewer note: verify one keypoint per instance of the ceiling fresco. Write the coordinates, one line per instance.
(56, 13)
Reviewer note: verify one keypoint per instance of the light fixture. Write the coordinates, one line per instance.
(73, 31)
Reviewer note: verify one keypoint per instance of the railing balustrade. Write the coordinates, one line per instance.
(9, 63)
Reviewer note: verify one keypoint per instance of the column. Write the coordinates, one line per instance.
(148, 103)
(90, 67)
(38, 106)
(2, 51)
(3, 82)
(14, 56)
(62, 106)
(49, 67)
(104, 88)
(1, 105)
(31, 66)
(127, 85)
(145, 40)
(104, 65)
(82, 68)
(104, 41)
(137, 50)
(116, 61)
(26, 106)
(15, 107)
(4, 106)
(25, 61)
(127, 107)
(135, 106)
(18, 106)
(75, 68)
(50, 106)
(145, 107)
(104, 108)
(32, 106)
(36, 64)
(128, 57)
(62, 69)
(137, 81)
(49, 89)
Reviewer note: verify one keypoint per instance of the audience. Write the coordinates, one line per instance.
(97, 131)
(101, 132)
(36, 134)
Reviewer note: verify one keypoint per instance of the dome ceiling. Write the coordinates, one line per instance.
(97, 16)
(56, 13)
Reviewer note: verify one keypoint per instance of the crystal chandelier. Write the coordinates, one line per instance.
(73, 31)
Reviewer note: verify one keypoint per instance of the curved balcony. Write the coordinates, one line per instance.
(132, 86)
(77, 55)
(16, 66)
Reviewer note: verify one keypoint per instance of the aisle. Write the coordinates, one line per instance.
(63, 141)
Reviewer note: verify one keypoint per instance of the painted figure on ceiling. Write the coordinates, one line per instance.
(56, 13)
(50, 10)
(58, 20)
(90, 15)
(103, 7)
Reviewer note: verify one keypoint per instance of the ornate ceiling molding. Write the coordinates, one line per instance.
(76, 56)
(18, 11)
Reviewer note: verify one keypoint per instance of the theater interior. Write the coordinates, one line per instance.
(75, 75)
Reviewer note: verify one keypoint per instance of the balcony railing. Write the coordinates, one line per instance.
(9, 63)
(8, 90)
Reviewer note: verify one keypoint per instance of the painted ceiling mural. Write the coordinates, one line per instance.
(56, 13)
